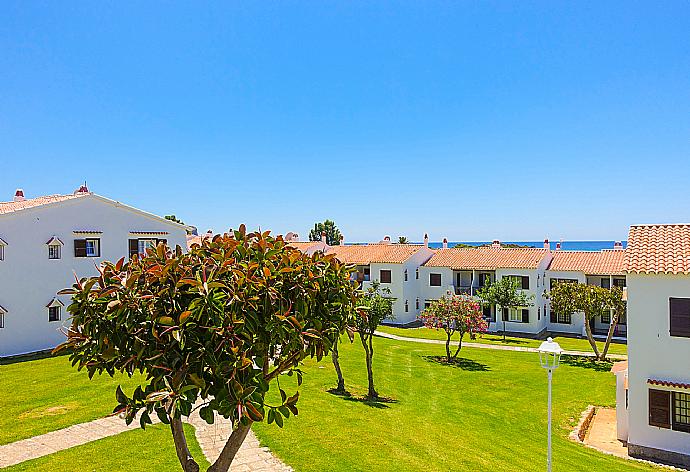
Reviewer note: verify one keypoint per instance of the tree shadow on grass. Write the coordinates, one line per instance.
(378, 402)
(459, 363)
(498, 339)
(587, 363)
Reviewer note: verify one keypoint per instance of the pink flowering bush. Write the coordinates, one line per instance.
(455, 314)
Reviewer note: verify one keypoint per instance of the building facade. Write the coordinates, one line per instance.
(657, 401)
(45, 241)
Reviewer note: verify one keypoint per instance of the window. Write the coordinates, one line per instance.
(385, 276)
(605, 282)
(416, 304)
(2, 252)
(407, 307)
(87, 247)
(141, 245)
(54, 251)
(538, 313)
(561, 318)
(487, 313)
(427, 305)
(2, 317)
(659, 408)
(484, 279)
(606, 318)
(620, 283)
(366, 273)
(434, 280)
(681, 411)
(514, 315)
(54, 313)
(554, 282)
(405, 274)
(521, 280)
(416, 274)
(679, 311)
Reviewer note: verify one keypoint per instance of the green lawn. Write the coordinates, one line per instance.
(133, 451)
(44, 395)
(487, 414)
(569, 344)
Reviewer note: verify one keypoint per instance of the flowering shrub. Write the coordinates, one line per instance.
(455, 314)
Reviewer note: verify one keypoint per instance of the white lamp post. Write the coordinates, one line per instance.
(549, 358)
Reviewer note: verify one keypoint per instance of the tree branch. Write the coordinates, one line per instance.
(185, 457)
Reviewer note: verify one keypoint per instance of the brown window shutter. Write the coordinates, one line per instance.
(133, 247)
(505, 314)
(525, 315)
(435, 280)
(659, 408)
(525, 283)
(553, 316)
(679, 310)
(80, 248)
(385, 276)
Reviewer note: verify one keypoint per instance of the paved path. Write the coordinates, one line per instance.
(250, 458)
(490, 346)
(602, 433)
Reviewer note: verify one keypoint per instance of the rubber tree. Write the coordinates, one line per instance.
(505, 293)
(375, 306)
(211, 329)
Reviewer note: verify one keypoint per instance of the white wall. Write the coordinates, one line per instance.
(29, 280)
(537, 322)
(577, 325)
(653, 353)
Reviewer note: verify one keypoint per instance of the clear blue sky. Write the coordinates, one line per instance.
(469, 120)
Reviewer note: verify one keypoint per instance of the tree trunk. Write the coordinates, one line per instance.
(448, 335)
(590, 338)
(336, 364)
(369, 353)
(612, 328)
(185, 457)
(227, 455)
(455, 356)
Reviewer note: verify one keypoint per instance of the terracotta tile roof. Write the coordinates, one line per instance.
(368, 253)
(11, 207)
(304, 245)
(487, 258)
(619, 366)
(658, 249)
(668, 383)
(607, 261)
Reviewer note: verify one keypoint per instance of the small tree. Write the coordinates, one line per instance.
(591, 301)
(402, 240)
(212, 328)
(507, 294)
(331, 230)
(375, 306)
(174, 218)
(454, 314)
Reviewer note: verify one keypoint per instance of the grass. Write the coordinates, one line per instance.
(133, 451)
(486, 412)
(569, 344)
(44, 395)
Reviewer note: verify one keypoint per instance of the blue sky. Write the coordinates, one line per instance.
(468, 120)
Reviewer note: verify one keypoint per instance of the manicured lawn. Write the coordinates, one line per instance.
(44, 395)
(133, 451)
(489, 413)
(569, 344)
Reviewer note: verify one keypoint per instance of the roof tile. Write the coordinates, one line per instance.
(607, 261)
(368, 253)
(658, 249)
(487, 258)
(11, 207)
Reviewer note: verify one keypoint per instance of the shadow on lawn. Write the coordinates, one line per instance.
(379, 402)
(587, 363)
(499, 339)
(459, 363)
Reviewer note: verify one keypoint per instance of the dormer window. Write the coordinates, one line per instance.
(54, 248)
(55, 310)
(2, 249)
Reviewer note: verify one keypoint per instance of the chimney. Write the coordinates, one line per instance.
(618, 245)
(342, 240)
(496, 244)
(19, 195)
(82, 189)
(323, 237)
(558, 246)
(445, 243)
(426, 240)
(547, 246)
(386, 239)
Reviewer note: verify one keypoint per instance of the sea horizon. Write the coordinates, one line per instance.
(565, 245)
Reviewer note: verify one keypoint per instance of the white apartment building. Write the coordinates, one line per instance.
(601, 268)
(395, 266)
(44, 241)
(654, 412)
(466, 270)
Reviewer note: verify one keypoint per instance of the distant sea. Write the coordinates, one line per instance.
(565, 245)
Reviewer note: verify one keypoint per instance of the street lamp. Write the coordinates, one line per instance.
(549, 358)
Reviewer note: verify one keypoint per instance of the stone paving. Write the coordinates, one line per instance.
(490, 346)
(250, 458)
